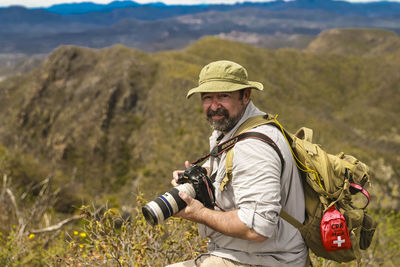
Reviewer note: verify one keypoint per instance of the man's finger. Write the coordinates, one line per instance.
(175, 174)
(185, 197)
(187, 164)
(174, 183)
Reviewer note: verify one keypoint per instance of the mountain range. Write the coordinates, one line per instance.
(339, 7)
(156, 27)
(108, 123)
(27, 36)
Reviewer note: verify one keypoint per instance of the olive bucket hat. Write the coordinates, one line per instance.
(223, 76)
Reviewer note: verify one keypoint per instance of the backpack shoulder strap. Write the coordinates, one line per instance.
(290, 219)
(242, 133)
(254, 122)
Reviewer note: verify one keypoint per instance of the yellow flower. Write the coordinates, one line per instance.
(81, 246)
(76, 232)
(83, 234)
(31, 236)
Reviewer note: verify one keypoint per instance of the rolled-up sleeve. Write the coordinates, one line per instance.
(256, 185)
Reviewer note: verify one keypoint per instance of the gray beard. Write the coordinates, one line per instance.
(225, 124)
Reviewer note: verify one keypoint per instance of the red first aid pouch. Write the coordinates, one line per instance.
(334, 232)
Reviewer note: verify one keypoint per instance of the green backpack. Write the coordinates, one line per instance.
(328, 180)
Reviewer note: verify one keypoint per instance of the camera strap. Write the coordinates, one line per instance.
(228, 144)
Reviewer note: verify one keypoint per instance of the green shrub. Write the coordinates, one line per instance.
(109, 239)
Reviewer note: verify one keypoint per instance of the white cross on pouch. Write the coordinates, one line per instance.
(339, 241)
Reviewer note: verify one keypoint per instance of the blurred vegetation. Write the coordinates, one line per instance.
(107, 237)
(96, 127)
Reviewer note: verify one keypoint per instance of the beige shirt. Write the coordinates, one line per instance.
(259, 192)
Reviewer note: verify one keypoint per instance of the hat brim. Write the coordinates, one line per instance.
(223, 86)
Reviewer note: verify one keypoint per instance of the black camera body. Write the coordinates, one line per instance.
(197, 176)
(194, 182)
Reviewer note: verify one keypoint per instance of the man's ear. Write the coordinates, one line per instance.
(247, 95)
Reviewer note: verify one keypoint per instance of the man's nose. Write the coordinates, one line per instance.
(215, 104)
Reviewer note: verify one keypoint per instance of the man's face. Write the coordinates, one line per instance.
(224, 110)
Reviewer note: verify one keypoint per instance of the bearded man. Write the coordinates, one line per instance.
(245, 229)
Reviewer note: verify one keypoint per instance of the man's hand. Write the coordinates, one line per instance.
(176, 173)
(194, 209)
(225, 222)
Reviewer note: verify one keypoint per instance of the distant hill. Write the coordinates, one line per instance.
(111, 122)
(360, 42)
(157, 27)
(86, 7)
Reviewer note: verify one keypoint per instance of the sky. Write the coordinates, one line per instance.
(47, 3)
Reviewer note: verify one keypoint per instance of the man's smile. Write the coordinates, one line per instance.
(217, 117)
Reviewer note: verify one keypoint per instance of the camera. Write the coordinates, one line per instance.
(193, 181)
